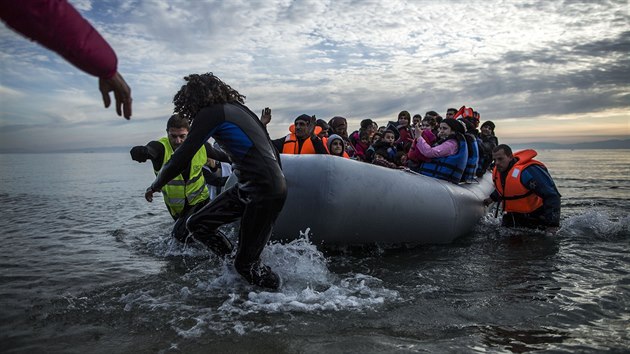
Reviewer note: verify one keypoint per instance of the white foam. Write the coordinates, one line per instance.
(193, 332)
(308, 285)
(596, 223)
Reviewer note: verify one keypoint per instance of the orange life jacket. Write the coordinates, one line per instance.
(325, 142)
(516, 198)
(291, 145)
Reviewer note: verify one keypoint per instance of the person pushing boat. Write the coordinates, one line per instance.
(528, 193)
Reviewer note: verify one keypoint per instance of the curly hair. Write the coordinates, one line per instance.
(201, 91)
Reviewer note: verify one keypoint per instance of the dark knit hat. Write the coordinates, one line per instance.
(304, 117)
(488, 123)
(391, 126)
(455, 125)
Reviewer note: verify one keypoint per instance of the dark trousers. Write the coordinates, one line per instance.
(533, 220)
(180, 232)
(257, 218)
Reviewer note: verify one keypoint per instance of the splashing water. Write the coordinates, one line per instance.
(597, 223)
(211, 296)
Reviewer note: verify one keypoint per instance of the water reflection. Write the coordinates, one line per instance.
(521, 340)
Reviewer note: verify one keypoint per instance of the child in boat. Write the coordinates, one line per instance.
(369, 153)
(405, 137)
(361, 146)
(387, 142)
(381, 158)
(367, 125)
(425, 131)
(337, 146)
(400, 159)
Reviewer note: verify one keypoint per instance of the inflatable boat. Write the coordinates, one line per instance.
(339, 201)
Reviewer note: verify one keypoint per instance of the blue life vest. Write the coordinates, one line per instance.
(473, 159)
(450, 168)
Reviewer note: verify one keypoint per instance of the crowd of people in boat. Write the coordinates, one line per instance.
(454, 148)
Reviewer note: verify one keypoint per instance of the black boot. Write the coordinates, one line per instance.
(217, 243)
(259, 274)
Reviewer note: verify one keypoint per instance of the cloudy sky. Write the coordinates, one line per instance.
(541, 70)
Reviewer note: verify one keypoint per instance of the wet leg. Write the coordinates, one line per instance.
(203, 224)
(255, 231)
(180, 232)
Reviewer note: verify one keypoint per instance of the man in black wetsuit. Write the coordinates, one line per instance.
(217, 111)
(186, 193)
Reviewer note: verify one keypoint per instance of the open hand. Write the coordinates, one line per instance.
(265, 116)
(122, 94)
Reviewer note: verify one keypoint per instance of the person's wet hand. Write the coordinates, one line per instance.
(551, 230)
(148, 194)
(122, 94)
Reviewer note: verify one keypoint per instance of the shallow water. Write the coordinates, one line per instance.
(88, 266)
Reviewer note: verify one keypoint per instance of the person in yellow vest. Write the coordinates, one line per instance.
(187, 192)
(525, 188)
(302, 139)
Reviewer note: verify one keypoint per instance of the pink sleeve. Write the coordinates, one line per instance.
(447, 148)
(428, 136)
(58, 26)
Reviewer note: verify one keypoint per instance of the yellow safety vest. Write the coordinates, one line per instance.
(177, 192)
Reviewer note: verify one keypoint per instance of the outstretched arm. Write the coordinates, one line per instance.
(58, 26)
(122, 94)
(153, 151)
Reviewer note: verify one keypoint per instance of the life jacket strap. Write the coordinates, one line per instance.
(518, 196)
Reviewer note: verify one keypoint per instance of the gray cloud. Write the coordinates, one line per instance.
(359, 59)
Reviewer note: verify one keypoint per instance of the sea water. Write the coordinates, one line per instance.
(88, 266)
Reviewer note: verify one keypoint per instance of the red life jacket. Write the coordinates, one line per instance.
(464, 112)
(515, 196)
